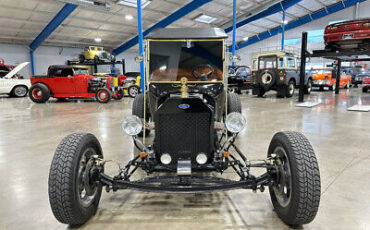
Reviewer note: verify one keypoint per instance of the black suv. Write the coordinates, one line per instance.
(239, 78)
(196, 123)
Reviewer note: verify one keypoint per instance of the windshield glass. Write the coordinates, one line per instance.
(243, 71)
(268, 62)
(195, 60)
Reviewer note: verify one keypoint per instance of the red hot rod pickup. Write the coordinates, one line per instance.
(63, 82)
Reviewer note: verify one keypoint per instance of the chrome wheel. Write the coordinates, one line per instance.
(134, 91)
(283, 183)
(20, 91)
(291, 89)
(309, 86)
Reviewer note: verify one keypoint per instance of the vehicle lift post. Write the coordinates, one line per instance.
(337, 85)
(303, 67)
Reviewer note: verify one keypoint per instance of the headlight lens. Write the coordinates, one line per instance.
(235, 122)
(132, 125)
(201, 158)
(166, 158)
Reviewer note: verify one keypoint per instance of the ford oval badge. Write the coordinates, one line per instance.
(184, 106)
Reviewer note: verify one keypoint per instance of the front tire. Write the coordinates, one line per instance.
(39, 93)
(332, 87)
(296, 191)
(70, 200)
(19, 91)
(308, 87)
(364, 90)
(103, 95)
(133, 90)
(233, 103)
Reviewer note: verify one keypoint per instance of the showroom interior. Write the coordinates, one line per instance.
(185, 114)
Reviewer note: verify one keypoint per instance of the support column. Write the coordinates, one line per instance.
(283, 32)
(234, 29)
(32, 63)
(141, 50)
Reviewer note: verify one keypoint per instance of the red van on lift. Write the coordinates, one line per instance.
(347, 35)
(65, 82)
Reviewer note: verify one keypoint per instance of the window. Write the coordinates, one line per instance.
(254, 66)
(242, 71)
(100, 49)
(290, 62)
(172, 60)
(268, 62)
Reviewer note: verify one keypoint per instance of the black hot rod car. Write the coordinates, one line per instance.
(195, 122)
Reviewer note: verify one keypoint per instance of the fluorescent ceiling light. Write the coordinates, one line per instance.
(285, 22)
(133, 3)
(205, 19)
(97, 39)
(245, 38)
(129, 17)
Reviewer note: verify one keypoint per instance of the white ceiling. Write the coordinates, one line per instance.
(22, 20)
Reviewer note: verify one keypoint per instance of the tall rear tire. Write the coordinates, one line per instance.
(39, 93)
(72, 200)
(295, 193)
(138, 110)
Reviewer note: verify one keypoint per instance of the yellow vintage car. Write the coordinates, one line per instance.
(129, 87)
(95, 53)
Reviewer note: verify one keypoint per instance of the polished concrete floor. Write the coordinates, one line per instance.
(30, 133)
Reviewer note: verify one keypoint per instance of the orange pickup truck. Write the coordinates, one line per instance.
(323, 78)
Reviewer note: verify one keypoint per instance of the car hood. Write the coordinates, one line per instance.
(16, 70)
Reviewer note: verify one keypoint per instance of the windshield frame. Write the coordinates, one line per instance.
(147, 78)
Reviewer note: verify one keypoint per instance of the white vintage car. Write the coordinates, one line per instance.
(14, 87)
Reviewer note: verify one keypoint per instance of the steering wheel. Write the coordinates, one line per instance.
(202, 67)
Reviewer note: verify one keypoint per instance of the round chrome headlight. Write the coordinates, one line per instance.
(235, 122)
(166, 158)
(132, 125)
(201, 158)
